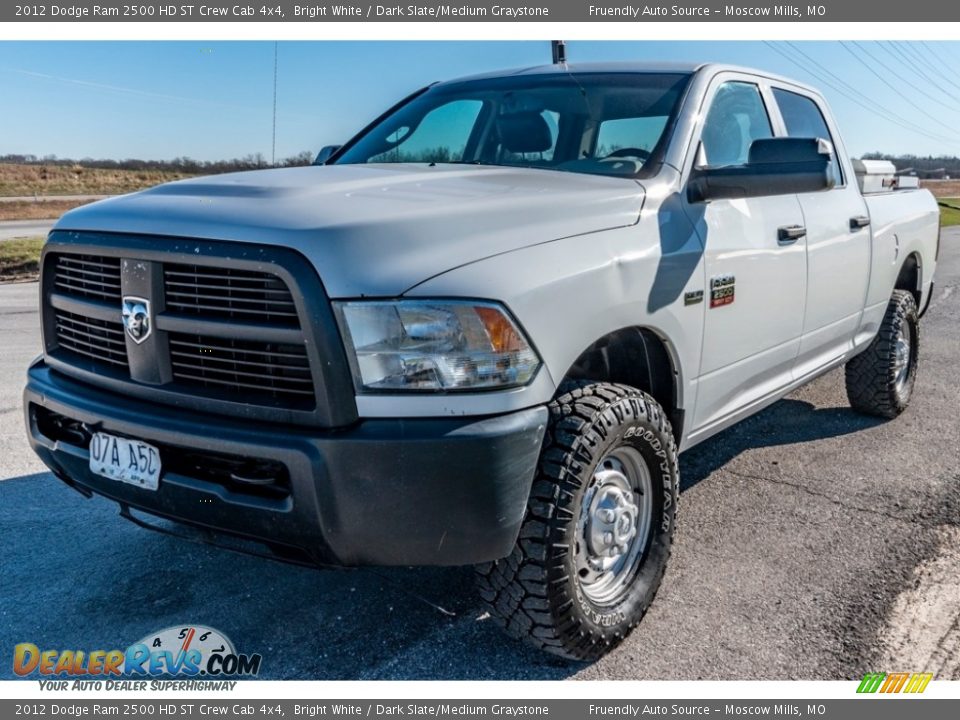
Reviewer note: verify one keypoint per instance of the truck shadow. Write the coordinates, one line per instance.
(76, 576)
(786, 422)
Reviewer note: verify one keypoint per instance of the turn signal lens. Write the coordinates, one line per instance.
(503, 335)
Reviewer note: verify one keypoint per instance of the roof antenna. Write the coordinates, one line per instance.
(559, 48)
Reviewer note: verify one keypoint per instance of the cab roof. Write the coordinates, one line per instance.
(680, 68)
(684, 68)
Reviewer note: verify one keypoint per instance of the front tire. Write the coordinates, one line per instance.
(880, 380)
(599, 526)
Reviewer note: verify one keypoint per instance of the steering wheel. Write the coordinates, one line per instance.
(639, 153)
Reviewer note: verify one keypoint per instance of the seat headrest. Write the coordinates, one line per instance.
(524, 132)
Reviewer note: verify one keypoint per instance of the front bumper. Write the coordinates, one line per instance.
(382, 492)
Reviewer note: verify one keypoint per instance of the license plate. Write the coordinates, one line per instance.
(129, 461)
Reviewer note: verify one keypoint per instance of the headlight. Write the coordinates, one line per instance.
(434, 345)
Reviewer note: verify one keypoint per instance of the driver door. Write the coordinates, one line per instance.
(755, 279)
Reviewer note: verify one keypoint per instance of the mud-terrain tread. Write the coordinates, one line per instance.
(869, 376)
(517, 590)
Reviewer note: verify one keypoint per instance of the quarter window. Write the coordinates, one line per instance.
(737, 117)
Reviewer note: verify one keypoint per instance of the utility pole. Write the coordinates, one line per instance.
(273, 151)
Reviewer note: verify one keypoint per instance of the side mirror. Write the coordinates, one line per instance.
(325, 154)
(775, 166)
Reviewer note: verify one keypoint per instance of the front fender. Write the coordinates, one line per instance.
(568, 293)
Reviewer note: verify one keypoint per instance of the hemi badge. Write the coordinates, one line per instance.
(692, 298)
(722, 290)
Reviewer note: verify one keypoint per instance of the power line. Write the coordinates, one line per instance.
(863, 101)
(889, 85)
(933, 67)
(852, 94)
(940, 60)
(915, 65)
(900, 77)
(849, 88)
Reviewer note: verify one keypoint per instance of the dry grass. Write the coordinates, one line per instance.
(37, 209)
(29, 180)
(20, 258)
(942, 188)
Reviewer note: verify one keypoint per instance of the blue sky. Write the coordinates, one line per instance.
(214, 100)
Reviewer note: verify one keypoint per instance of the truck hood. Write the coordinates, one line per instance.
(374, 229)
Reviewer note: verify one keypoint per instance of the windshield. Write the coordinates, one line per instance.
(596, 123)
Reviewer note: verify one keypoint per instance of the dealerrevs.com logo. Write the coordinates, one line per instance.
(192, 651)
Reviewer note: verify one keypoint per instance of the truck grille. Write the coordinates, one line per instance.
(97, 339)
(230, 334)
(228, 293)
(89, 276)
(279, 371)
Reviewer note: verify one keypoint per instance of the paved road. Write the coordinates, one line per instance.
(43, 198)
(24, 228)
(808, 535)
(19, 343)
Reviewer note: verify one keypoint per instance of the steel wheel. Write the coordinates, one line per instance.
(614, 525)
(599, 527)
(880, 379)
(901, 363)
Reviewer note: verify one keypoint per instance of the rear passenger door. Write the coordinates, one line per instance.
(755, 282)
(838, 244)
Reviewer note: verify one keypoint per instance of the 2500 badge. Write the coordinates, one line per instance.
(722, 289)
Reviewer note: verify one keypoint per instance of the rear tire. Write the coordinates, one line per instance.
(599, 526)
(880, 379)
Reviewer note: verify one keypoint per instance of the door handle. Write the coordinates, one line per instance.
(789, 234)
(860, 221)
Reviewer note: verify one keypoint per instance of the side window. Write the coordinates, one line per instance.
(804, 120)
(736, 118)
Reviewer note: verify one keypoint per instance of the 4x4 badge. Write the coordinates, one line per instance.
(137, 320)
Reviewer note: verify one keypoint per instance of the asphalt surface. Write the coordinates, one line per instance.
(24, 228)
(802, 533)
(44, 198)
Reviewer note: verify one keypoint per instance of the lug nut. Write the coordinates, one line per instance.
(607, 516)
(607, 538)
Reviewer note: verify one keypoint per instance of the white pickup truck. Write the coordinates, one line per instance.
(481, 331)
